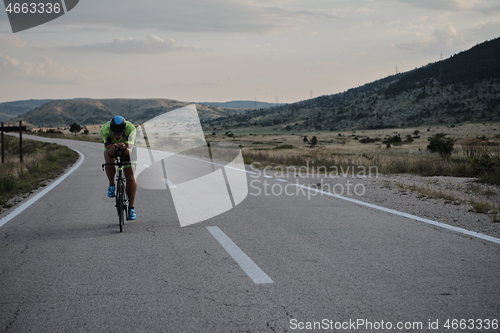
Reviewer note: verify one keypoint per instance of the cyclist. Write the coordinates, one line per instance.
(119, 134)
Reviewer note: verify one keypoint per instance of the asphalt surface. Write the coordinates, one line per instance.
(65, 267)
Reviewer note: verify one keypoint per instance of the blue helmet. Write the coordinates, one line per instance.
(118, 125)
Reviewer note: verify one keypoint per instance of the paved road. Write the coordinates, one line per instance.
(64, 267)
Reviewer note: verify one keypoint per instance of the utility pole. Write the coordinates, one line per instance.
(397, 69)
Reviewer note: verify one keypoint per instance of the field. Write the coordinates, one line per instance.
(267, 138)
(64, 133)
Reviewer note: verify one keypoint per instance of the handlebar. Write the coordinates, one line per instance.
(119, 155)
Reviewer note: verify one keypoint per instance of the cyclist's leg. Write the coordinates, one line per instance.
(131, 185)
(110, 169)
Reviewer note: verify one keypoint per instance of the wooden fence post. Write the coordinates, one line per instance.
(21, 141)
(3, 144)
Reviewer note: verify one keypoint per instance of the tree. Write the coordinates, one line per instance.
(314, 141)
(438, 143)
(75, 128)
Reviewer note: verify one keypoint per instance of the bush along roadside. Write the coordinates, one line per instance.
(42, 161)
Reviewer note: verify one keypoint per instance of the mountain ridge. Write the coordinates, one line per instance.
(9, 110)
(62, 113)
(241, 104)
(461, 88)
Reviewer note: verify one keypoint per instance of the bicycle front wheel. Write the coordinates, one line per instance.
(120, 202)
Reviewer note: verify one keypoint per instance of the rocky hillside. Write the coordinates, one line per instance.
(242, 104)
(465, 87)
(9, 110)
(61, 113)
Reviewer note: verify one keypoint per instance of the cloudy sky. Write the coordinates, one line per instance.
(221, 50)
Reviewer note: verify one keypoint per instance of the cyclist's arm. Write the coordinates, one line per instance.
(111, 149)
(130, 138)
(125, 147)
(129, 148)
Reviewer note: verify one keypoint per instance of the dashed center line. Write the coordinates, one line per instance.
(257, 275)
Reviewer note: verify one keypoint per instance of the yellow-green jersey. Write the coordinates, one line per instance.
(127, 137)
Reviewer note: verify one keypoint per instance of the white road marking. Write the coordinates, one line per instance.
(282, 180)
(257, 275)
(31, 201)
(413, 217)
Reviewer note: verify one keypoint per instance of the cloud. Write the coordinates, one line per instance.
(11, 41)
(194, 15)
(45, 71)
(147, 45)
(362, 25)
(440, 39)
(448, 36)
(486, 30)
(192, 84)
(491, 10)
(443, 5)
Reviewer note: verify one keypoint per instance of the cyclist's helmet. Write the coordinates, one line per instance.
(118, 125)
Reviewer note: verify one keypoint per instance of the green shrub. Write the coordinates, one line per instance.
(285, 147)
(367, 140)
(394, 139)
(442, 145)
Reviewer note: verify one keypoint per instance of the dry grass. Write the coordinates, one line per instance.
(64, 133)
(481, 198)
(41, 161)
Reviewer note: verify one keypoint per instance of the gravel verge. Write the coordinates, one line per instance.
(442, 199)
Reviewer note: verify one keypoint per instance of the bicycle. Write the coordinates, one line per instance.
(120, 194)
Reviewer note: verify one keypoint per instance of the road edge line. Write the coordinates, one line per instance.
(413, 217)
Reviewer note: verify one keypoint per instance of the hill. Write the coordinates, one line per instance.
(9, 110)
(61, 113)
(241, 104)
(462, 88)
